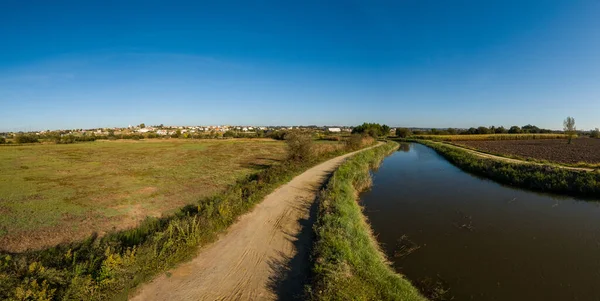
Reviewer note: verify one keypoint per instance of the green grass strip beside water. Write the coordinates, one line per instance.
(545, 178)
(348, 263)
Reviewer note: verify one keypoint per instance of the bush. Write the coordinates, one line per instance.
(229, 134)
(300, 146)
(356, 142)
(25, 138)
(277, 135)
(403, 132)
(595, 133)
(66, 139)
(2, 140)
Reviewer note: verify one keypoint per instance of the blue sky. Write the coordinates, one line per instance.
(83, 64)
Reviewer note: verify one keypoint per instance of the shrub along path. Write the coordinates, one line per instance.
(510, 160)
(264, 256)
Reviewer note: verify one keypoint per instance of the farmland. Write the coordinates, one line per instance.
(484, 137)
(583, 151)
(58, 193)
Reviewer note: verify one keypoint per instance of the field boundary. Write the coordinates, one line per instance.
(348, 263)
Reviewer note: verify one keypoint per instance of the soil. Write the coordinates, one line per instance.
(554, 150)
(263, 256)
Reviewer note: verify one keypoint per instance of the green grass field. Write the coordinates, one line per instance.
(60, 193)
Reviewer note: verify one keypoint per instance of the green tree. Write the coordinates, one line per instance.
(471, 131)
(372, 129)
(595, 133)
(569, 128)
(483, 130)
(403, 132)
(385, 130)
(514, 130)
(142, 125)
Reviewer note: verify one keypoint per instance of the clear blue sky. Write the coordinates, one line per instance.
(82, 64)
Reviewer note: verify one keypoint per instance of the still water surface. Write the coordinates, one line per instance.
(483, 240)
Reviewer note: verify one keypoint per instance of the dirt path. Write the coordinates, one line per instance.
(264, 256)
(511, 160)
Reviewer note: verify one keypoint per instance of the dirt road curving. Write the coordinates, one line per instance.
(264, 256)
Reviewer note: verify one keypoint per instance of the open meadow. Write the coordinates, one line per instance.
(51, 193)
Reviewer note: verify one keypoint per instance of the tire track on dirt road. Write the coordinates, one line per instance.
(263, 256)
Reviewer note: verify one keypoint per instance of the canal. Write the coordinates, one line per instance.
(445, 229)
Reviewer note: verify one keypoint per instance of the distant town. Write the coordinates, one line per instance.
(142, 131)
(165, 130)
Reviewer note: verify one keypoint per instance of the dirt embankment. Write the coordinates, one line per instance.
(264, 256)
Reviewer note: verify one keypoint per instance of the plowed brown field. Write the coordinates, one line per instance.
(555, 150)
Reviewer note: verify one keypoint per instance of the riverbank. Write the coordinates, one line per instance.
(461, 237)
(108, 267)
(348, 263)
(528, 175)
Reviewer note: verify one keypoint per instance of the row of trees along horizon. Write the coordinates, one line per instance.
(569, 127)
(372, 129)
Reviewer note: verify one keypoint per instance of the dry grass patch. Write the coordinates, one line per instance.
(51, 194)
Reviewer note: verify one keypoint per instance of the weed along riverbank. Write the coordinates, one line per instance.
(537, 177)
(347, 261)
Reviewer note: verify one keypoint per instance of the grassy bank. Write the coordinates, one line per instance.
(348, 263)
(543, 178)
(109, 267)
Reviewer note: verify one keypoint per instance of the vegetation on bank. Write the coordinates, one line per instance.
(101, 268)
(348, 263)
(543, 178)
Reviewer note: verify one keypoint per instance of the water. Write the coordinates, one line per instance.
(483, 240)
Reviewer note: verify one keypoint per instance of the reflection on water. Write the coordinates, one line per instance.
(404, 147)
(444, 228)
